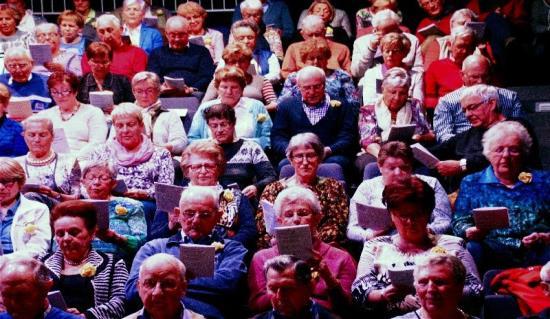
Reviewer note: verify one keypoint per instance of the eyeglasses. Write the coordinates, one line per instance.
(175, 35)
(8, 182)
(310, 157)
(512, 150)
(472, 107)
(166, 284)
(61, 93)
(49, 35)
(222, 125)
(17, 65)
(102, 178)
(313, 87)
(412, 218)
(299, 213)
(206, 166)
(146, 91)
(99, 63)
(191, 214)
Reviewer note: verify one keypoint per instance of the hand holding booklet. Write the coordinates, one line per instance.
(19, 107)
(31, 185)
(375, 218)
(41, 53)
(167, 196)
(102, 209)
(489, 218)
(101, 99)
(294, 240)
(176, 83)
(429, 30)
(198, 259)
(402, 276)
(402, 133)
(55, 298)
(424, 156)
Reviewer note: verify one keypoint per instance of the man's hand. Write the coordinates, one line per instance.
(137, 194)
(250, 191)
(474, 233)
(448, 168)
(173, 219)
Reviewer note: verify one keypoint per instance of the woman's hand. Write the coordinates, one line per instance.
(138, 194)
(394, 293)
(75, 311)
(250, 191)
(173, 219)
(535, 239)
(318, 264)
(474, 233)
(109, 236)
(54, 67)
(448, 168)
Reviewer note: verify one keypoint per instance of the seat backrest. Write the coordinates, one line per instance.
(331, 170)
(190, 103)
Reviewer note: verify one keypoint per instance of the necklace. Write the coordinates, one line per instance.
(41, 162)
(65, 116)
(76, 263)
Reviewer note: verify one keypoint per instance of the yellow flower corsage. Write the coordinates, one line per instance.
(525, 177)
(335, 103)
(438, 250)
(261, 118)
(207, 40)
(159, 12)
(121, 210)
(315, 275)
(228, 195)
(217, 246)
(330, 32)
(88, 270)
(30, 229)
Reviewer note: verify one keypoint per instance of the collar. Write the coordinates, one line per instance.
(12, 209)
(126, 29)
(488, 177)
(10, 80)
(321, 104)
(143, 314)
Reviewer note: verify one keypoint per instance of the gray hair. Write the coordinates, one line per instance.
(312, 22)
(302, 271)
(166, 259)
(383, 15)
(545, 272)
(475, 59)
(141, 3)
(178, 20)
(42, 27)
(466, 13)
(251, 5)
(107, 19)
(461, 31)
(451, 262)
(14, 262)
(204, 193)
(308, 72)
(396, 77)
(307, 139)
(17, 52)
(497, 132)
(486, 92)
(127, 109)
(100, 165)
(297, 194)
(37, 119)
(143, 76)
(245, 24)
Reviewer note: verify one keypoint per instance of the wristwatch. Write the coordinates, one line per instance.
(463, 166)
(58, 196)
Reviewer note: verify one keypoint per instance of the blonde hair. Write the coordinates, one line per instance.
(191, 8)
(236, 51)
(127, 109)
(206, 148)
(10, 168)
(230, 73)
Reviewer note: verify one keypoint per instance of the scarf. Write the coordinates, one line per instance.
(383, 117)
(150, 115)
(125, 158)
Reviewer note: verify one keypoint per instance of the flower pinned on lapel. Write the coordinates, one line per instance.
(121, 210)
(335, 103)
(228, 195)
(525, 177)
(217, 246)
(261, 118)
(159, 12)
(30, 229)
(438, 250)
(207, 40)
(88, 270)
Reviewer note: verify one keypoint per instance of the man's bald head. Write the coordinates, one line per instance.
(476, 69)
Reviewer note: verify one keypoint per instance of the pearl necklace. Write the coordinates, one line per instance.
(77, 263)
(41, 162)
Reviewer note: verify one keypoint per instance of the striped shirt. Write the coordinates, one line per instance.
(317, 112)
(449, 119)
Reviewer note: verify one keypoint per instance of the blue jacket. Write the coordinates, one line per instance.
(149, 38)
(55, 313)
(204, 295)
(277, 14)
(12, 143)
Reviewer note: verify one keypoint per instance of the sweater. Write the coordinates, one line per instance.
(442, 77)
(35, 87)
(127, 60)
(11, 141)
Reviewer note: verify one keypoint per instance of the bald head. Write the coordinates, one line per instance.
(176, 23)
(475, 70)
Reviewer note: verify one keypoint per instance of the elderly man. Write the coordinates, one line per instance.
(274, 13)
(181, 59)
(22, 82)
(62, 60)
(161, 286)
(160, 14)
(449, 119)
(462, 154)
(198, 214)
(127, 59)
(141, 35)
(290, 288)
(24, 286)
(366, 49)
(335, 122)
(314, 27)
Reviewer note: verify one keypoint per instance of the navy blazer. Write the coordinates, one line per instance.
(149, 38)
(337, 129)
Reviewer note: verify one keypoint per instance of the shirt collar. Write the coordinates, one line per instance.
(10, 80)
(11, 211)
(488, 177)
(145, 315)
(321, 104)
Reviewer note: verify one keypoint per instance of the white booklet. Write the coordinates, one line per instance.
(489, 218)
(101, 99)
(31, 185)
(19, 107)
(270, 217)
(402, 276)
(177, 83)
(375, 218)
(294, 240)
(55, 298)
(198, 259)
(102, 209)
(401, 132)
(41, 53)
(60, 143)
(424, 156)
(167, 196)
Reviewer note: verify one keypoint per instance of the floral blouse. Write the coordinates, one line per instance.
(339, 86)
(334, 205)
(382, 253)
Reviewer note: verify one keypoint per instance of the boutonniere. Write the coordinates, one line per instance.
(438, 250)
(121, 210)
(88, 270)
(315, 274)
(335, 103)
(261, 118)
(159, 12)
(217, 246)
(228, 195)
(30, 229)
(207, 40)
(525, 177)
(330, 32)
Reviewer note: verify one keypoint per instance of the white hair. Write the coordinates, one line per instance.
(545, 272)
(396, 77)
(463, 13)
(35, 118)
(107, 19)
(312, 22)
(141, 3)
(127, 109)
(383, 15)
(17, 52)
(308, 140)
(296, 194)
(163, 259)
(309, 71)
(21, 262)
(486, 92)
(251, 5)
(142, 76)
(497, 132)
(451, 262)
(461, 31)
(45, 27)
(176, 20)
(203, 193)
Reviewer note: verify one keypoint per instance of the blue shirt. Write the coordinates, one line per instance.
(12, 143)
(5, 228)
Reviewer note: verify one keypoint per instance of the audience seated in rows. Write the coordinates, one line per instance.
(71, 25)
(62, 60)
(337, 24)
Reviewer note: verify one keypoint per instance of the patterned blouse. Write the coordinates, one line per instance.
(334, 206)
(339, 86)
(382, 253)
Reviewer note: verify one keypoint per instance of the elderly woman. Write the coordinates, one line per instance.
(91, 282)
(253, 121)
(127, 227)
(336, 20)
(395, 161)
(195, 15)
(410, 202)
(394, 47)
(247, 164)
(257, 87)
(11, 141)
(439, 281)
(25, 225)
(163, 127)
(62, 60)
(83, 124)
(10, 35)
(393, 108)
(203, 163)
(100, 56)
(56, 174)
(507, 182)
(338, 83)
(300, 206)
(141, 35)
(305, 153)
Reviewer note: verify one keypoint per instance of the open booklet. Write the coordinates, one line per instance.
(424, 156)
(41, 53)
(270, 217)
(19, 107)
(101, 99)
(198, 259)
(429, 30)
(489, 218)
(55, 298)
(294, 240)
(167, 196)
(177, 83)
(402, 276)
(60, 143)
(402, 133)
(375, 218)
(102, 209)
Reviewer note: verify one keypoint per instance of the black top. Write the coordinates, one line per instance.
(77, 291)
(119, 84)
